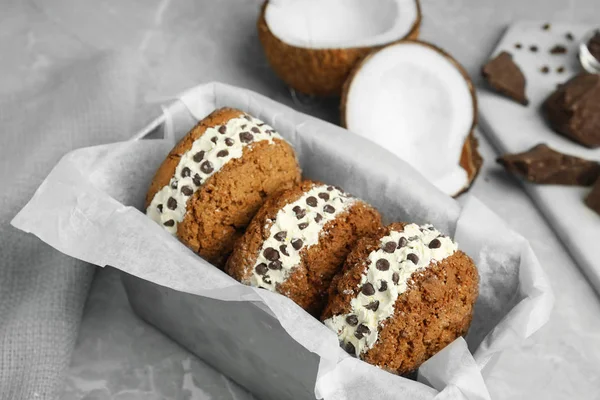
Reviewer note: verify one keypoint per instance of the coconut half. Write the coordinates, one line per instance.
(418, 102)
(314, 44)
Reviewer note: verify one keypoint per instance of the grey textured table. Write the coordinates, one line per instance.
(185, 42)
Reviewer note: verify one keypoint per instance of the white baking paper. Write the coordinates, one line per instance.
(89, 208)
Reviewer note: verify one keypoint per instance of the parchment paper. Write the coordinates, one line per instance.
(89, 208)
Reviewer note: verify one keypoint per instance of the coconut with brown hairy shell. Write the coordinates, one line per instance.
(313, 45)
(417, 101)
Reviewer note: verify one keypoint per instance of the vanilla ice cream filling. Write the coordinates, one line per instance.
(296, 227)
(209, 153)
(388, 275)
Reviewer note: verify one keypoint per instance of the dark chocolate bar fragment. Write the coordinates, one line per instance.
(504, 76)
(541, 164)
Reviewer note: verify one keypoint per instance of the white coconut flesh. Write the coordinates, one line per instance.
(412, 100)
(322, 24)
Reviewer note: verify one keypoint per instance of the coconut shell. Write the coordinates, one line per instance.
(320, 72)
(470, 159)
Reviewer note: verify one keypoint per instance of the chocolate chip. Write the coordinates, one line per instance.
(246, 137)
(546, 27)
(533, 48)
(197, 180)
(373, 306)
(261, 124)
(249, 118)
(324, 196)
(261, 269)
(222, 129)
(171, 203)
(413, 257)
(368, 289)
(280, 236)
(185, 172)
(174, 184)
(244, 126)
(275, 265)
(199, 156)
(311, 201)
(434, 244)
(186, 190)
(431, 228)
(297, 244)
(283, 249)
(160, 208)
(214, 139)
(395, 278)
(544, 69)
(518, 45)
(560, 70)
(303, 225)
(223, 153)
(169, 223)
(229, 142)
(267, 279)
(318, 218)
(382, 264)
(389, 247)
(383, 286)
(350, 349)
(402, 242)
(330, 188)
(570, 36)
(255, 129)
(558, 49)
(352, 320)
(206, 167)
(361, 331)
(328, 209)
(271, 254)
(300, 212)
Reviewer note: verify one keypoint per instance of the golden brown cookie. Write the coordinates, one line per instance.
(299, 240)
(216, 178)
(403, 295)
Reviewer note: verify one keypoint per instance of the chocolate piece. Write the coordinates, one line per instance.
(402, 242)
(546, 27)
(280, 236)
(160, 208)
(197, 180)
(249, 118)
(368, 289)
(311, 201)
(174, 185)
(318, 218)
(504, 76)
(206, 167)
(350, 349)
(382, 264)
(560, 70)
(544, 69)
(222, 129)
(352, 320)
(255, 129)
(361, 331)
(303, 225)
(541, 164)
(330, 188)
(299, 211)
(328, 209)
(283, 249)
(271, 254)
(267, 279)
(413, 257)
(324, 196)
(593, 45)
(185, 172)
(558, 49)
(186, 190)
(169, 223)
(373, 306)
(171, 203)
(395, 278)
(261, 269)
(389, 247)
(593, 199)
(518, 45)
(435, 244)
(383, 286)
(214, 139)
(569, 36)
(297, 244)
(533, 48)
(246, 137)
(223, 153)
(229, 142)
(275, 265)
(573, 110)
(199, 156)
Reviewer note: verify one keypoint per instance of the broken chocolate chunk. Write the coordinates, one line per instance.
(558, 49)
(533, 48)
(593, 199)
(541, 164)
(504, 76)
(544, 69)
(570, 36)
(546, 27)
(593, 45)
(573, 110)
(518, 45)
(560, 70)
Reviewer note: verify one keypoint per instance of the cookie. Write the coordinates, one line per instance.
(403, 295)
(216, 178)
(299, 240)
